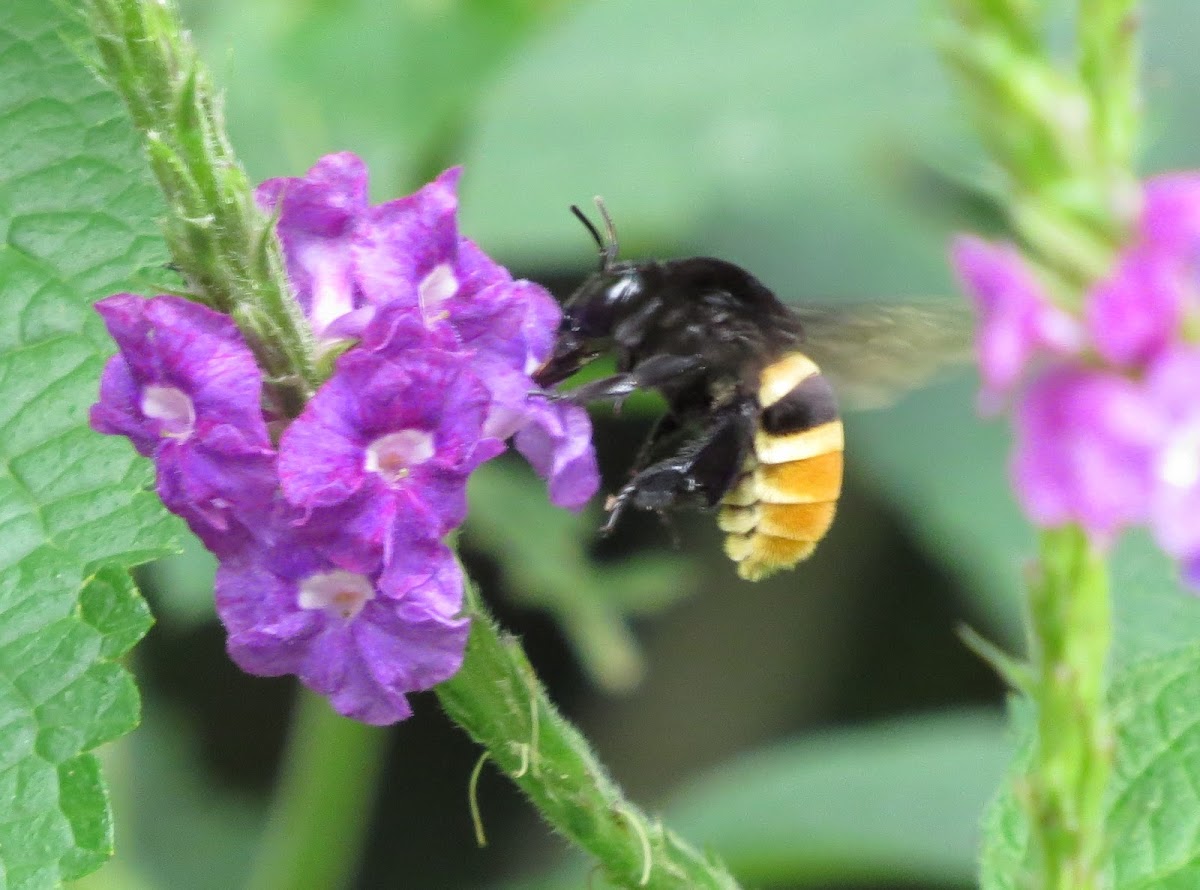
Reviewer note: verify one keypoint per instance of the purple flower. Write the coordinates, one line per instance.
(185, 390)
(1018, 322)
(318, 214)
(362, 632)
(1085, 450)
(512, 324)
(411, 258)
(394, 436)
(407, 259)
(557, 442)
(332, 565)
(409, 252)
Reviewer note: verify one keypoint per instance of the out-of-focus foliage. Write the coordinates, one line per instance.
(899, 800)
(397, 82)
(797, 812)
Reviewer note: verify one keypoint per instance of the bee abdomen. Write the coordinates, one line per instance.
(784, 501)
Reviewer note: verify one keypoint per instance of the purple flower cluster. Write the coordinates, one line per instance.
(330, 530)
(1108, 414)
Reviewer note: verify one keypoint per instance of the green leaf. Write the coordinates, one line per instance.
(1154, 816)
(1153, 612)
(78, 223)
(1004, 861)
(1154, 617)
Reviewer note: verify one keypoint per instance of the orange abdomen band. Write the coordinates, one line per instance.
(784, 501)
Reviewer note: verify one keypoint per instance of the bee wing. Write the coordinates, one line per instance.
(875, 352)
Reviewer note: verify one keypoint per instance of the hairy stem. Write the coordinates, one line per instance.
(1064, 135)
(1070, 631)
(221, 244)
(1108, 61)
(497, 699)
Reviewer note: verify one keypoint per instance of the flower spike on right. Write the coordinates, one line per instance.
(1107, 398)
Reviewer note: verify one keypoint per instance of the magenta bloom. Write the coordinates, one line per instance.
(1173, 384)
(1134, 314)
(363, 634)
(1109, 434)
(1170, 218)
(1085, 450)
(185, 390)
(1017, 321)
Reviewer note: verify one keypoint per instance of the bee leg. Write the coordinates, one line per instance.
(665, 428)
(655, 371)
(698, 475)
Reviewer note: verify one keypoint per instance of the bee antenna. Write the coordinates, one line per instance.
(607, 245)
(608, 253)
(590, 226)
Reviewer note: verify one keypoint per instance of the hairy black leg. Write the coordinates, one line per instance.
(655, 371)
(666, 429)
(698, 475)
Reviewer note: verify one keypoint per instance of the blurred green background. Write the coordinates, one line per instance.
(825, 728)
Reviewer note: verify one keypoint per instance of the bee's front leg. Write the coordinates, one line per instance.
(654, 371)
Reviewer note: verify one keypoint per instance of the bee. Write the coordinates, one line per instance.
(753, 427)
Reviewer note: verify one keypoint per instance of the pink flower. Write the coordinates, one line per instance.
(1085, 450)
(1108, 432)
(1017, 321)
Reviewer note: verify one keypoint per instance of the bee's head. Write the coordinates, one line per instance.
(592, 313)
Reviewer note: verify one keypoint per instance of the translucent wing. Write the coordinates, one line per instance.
(875, 352)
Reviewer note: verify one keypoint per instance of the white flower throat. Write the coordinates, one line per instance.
(391, 456)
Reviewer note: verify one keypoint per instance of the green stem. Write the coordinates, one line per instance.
(1064, 135)
(497, 699)
(1108, 61)
(1070, 631)
(224, 247)
(322, 809)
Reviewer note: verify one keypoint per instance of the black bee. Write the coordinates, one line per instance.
(753, 423)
